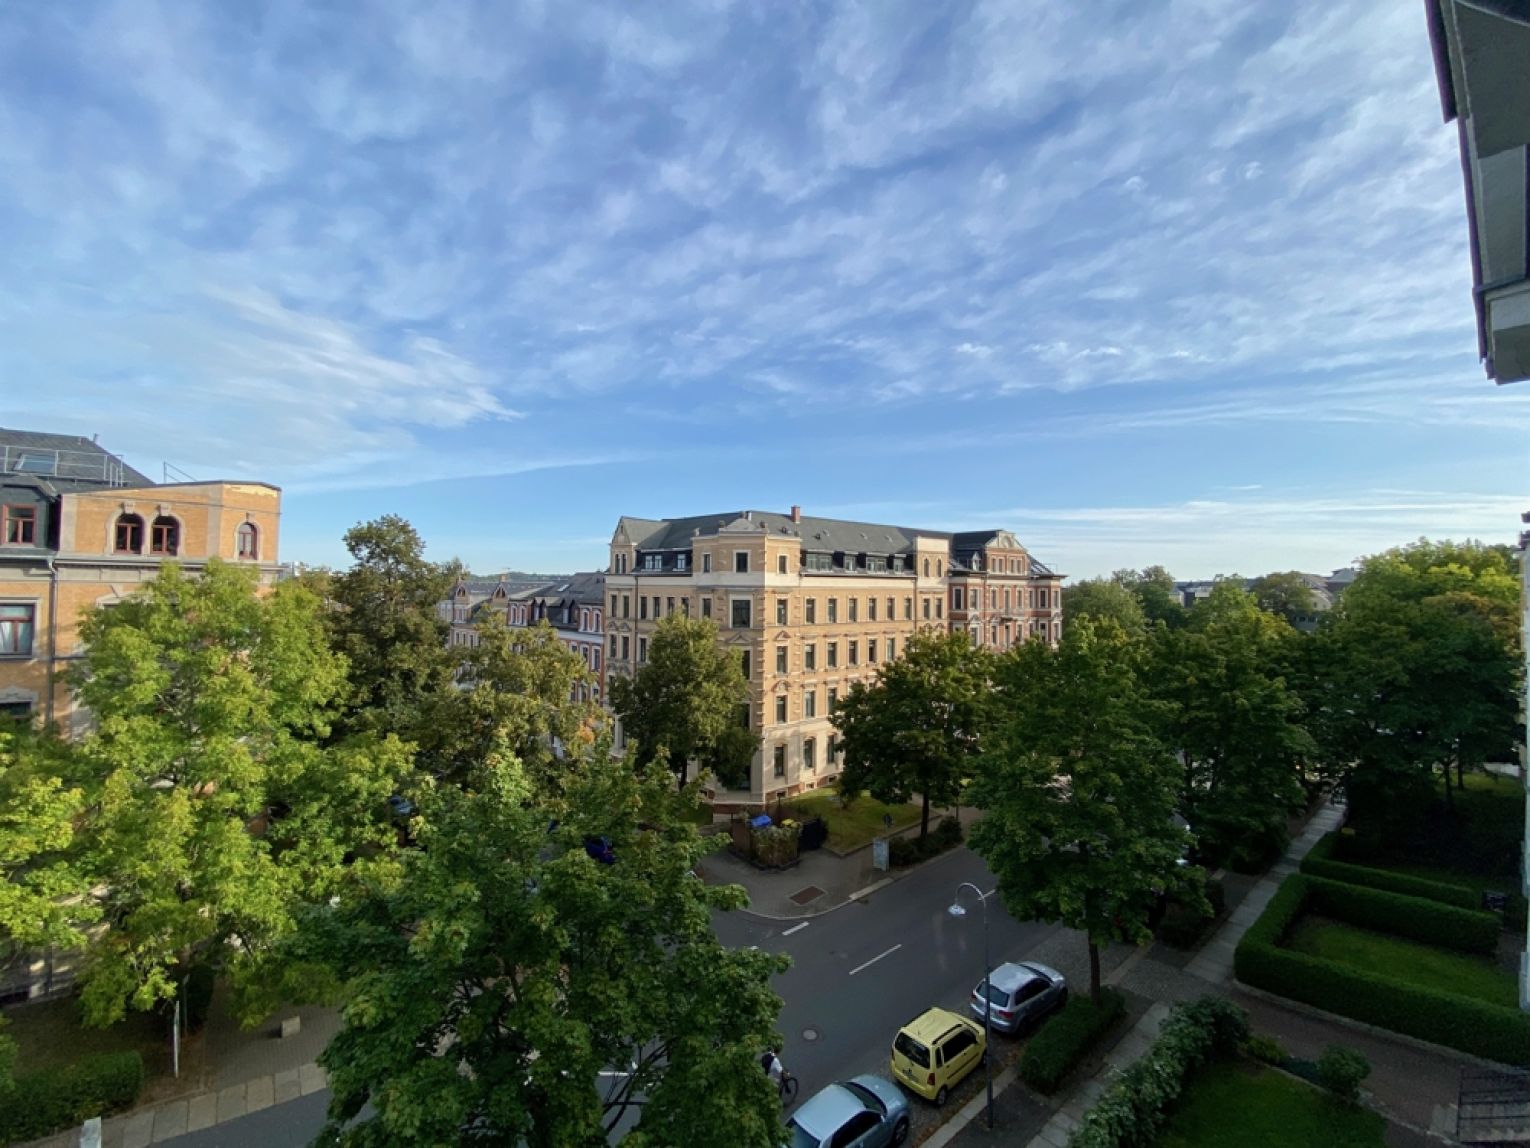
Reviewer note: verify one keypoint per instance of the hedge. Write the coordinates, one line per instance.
(947, 834)
(1065, 1039)
(1416, 919)
(1320, 862)
(43, 1102)
(1133, 1110)
(1493, 1031)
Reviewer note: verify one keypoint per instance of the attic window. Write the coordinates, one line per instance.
(18, 525)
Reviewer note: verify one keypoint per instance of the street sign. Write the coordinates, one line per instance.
(879, 857)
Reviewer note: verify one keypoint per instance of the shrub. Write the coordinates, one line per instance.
(1483, 1029)
(1414, 918)
(1182, 926)
(775, 845)
(947, 834)
(39, 1103)
(1320, 862)
(1065, 1039)
(1341, 1069)
(1133, 1110)
(1264, 1048)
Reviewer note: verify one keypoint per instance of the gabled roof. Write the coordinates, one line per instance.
(826, 534)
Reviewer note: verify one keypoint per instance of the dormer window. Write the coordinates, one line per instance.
(165, 537)
(247, 541)
(18, 525)
(128, 535)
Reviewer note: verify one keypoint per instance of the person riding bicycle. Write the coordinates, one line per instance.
(773, 1067)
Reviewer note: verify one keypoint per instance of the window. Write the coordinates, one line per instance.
(682, 561)
(831, 751)
(853, 1129)
(871, 650)
(940, 607)
(892, 648)
(810, 657)
(595, 658)
(669, 606)
(780, 563)
(129, 533)
(626, 647)
(706, 607)
(16, 711)
(19, 525)
(940, 568)
(741, 613)
(1044, 599)
(780, 611)
(17, 621)
(855, 653)
(685, 607)
(780, 659)
(780, 708)
(748, 665)
(653, 562)
(643, 608)
(706, 564)
(926, 609)
(810, 616)
(613, 645)
(621, 564)
(855, 610)
(908, 609)
(810, 703)
(871, 609)
(833, 654)
(810, 753)
(926, 567)
(642, 650)
(741, 561)
(833, 701)
(956, 598)
(833, 610)
(820, 563)
(626, 605)
(1006, 598)
(656, 614)
(780, 761)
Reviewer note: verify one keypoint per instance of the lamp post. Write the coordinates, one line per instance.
(956, 910)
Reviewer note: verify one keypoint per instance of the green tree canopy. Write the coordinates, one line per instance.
(1153, 587)
(685, 703)
(1237, 725)
(1078, 789)
(490, 984)
(210, 807)
(1285, 594)
(1100, 598)
(916, 728)
(385, 621)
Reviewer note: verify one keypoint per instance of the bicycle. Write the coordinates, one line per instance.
(788, 1086)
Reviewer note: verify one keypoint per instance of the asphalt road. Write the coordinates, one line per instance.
(858, 973)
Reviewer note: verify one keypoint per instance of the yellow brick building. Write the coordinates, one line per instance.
(79, 527)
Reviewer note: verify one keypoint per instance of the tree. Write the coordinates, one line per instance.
(386, 623)
(916, 728)
(1420, 670)
(1078, 789)
(516, 698)
(210, 808)
(1098, 598)
(1286, 594)
(682, 705)
(1237, 725)
(1154, 589)
(508, 988)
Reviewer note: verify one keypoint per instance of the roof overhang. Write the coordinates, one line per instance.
(1482, 63)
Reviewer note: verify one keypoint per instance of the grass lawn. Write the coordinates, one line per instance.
(50, 1033)
(1236, 1105)
(1422, 965)
(851, 828)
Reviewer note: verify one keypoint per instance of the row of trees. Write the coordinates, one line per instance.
(310, 791)
(1090, 759)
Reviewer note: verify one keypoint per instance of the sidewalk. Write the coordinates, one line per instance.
(819, 883)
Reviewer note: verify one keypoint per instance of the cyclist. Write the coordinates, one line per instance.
(773, 1067)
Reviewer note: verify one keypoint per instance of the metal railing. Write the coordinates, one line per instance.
(81, 465)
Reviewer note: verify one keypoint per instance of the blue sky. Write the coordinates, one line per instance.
(1169, 282)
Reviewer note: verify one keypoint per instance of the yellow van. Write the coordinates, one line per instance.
(935, 1051)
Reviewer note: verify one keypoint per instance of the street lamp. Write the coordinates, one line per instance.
(956, 910)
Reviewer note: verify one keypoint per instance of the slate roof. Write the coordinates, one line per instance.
(824, 534)
(83, 464)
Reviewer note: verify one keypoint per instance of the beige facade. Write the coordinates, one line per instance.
(68, 543)
(813, 605)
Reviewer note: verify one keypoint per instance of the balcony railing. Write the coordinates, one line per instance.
(79, 465)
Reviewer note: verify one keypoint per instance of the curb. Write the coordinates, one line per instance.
(857, 895)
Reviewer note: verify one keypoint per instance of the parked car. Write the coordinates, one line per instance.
(1022, 993)
(863, 1112)
(935, 1051)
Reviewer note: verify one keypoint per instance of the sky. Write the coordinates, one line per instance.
(1148, 282)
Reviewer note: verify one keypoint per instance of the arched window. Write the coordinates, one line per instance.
(165, 536)
(128, 535)
(926, 567)
(940, 568)
(248, 539)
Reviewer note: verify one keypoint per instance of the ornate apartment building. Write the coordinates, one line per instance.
(79, 528)
(813, 605)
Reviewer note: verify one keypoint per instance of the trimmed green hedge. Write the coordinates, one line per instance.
(39, 1103)
(1413, 918)
(1065, 1039)
(1135, 1108)
(1488, 1030)
(947, 834)
(1321, 862)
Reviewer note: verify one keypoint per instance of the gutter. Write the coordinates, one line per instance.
(52, 633)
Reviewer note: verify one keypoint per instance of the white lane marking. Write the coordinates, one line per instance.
(875, 959)
(869, 889)
(796, 928)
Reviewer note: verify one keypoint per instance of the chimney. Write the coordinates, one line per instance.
(796, 514)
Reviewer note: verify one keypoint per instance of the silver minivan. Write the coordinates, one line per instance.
(1021, 993)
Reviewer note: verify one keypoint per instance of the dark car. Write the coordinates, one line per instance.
(1021, 994)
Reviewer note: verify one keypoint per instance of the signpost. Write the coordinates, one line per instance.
(879, 854)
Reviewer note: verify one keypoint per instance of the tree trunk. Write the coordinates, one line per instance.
(1094, 972)
(1450, 792)
(924, 816)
